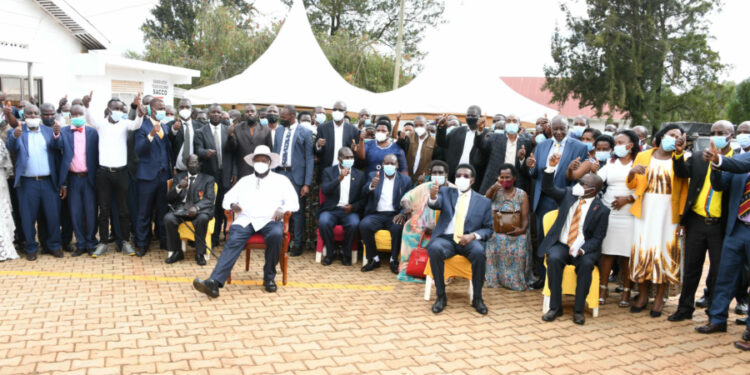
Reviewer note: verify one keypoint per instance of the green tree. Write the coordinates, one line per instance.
(706, 103)
(632, 55)
(738, 109)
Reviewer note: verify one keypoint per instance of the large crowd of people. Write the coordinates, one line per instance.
(644, 210)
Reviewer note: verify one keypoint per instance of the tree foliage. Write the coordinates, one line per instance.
(738, 109)
(706, 103)
(632, 55)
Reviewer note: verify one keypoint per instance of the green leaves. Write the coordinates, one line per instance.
(738, 109)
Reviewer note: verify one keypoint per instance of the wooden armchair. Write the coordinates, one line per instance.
(256, 242)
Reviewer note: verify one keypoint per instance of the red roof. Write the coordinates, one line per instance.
(531, 88)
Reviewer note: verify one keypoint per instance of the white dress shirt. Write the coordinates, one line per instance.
(571, 212)
(293, 129)
(113, 139)
(468, 144)
(187, 127)
(338, 139)
(259, 198)
(419, 153)
(510, 151)
(344, 187)
(385, 204)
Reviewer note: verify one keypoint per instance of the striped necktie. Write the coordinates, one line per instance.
(744, 212)
(573, 230)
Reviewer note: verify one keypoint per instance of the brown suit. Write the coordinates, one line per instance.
(428, 147)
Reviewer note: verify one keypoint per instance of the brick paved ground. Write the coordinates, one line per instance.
(138, 315)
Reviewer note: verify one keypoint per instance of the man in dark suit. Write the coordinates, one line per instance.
(464, 144)
(244, 137)
(36, 179)
(383, 211)
(420, 150)
(342, 187)
(732, 177)
(294, 144)
(154, 168)
(333, 135)
(191, 199)
(182, 135)
(464, 225)
(703, 221)
(507, 147)
(80, 160)
(212, 146)
(575, 237)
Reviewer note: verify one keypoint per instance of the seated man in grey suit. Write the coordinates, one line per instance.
(458, 232)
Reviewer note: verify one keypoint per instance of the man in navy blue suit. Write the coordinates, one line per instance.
(569, 150)
(383, 211)
(464, 225)
(154, 169)
(342, 187)
(294, 144)
(333, 135)
(36, 178)
(80, 160)
(575, 237)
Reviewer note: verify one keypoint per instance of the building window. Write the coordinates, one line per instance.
(16, 89)
(126, 90)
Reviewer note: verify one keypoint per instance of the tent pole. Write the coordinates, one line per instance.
(399, 42)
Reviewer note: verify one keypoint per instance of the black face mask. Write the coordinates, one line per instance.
(251, 120)
(285, 123)
(472, 122)
(225, 122)
(193, 169)
(214, 123)
(48, 121)
(272, 119)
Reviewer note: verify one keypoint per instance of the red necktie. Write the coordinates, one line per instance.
(79, 129)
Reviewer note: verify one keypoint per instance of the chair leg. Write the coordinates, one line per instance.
(247, 258)
(284, 268)
(229, 279)
(355, 254)
(319, 256)
(545, 305)
(427, 288)
(595, 312)
(471, 292)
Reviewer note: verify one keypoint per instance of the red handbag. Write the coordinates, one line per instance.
(418, 260)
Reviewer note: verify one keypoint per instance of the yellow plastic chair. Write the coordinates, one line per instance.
(186, 229)
(569, 280)
(455, 266)
(382, 243)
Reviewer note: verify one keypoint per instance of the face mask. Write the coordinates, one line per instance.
(211, 121)
(160, 115)
(264, 121)
(78, 121)
(193, 169)
(449, 130)
(440, 180)
(507, 184)
(116, 116)
(272, 118)
(589, 146)
(337, 115)
(33, 123)
(347, 163)
(719, 141)
(320, 118)
(407, 132)
(499, 131)
(420, 130)
(48, 121)
(578, 131)
(603, 155)
(169, 119)
(389, 170)
(578, 190)
(66, 114)
(226, 122)
(472, 122)
(380, 136)
(285, 123)
(511, 128)
(185, 113)
(20, 113)
(609, 133)
(306, 124)
(540, 138)
(621, 151)
(260, 168)
(667, 143)
(368, 140)
(743, 140)
(463, 183)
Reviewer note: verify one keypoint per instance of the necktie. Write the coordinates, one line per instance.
(461, 208)
(186, 145)
(285, 149)
(158, 131)
(79, 129)
(217, 143)
(188, 196)
(573, 230)
(744, 212)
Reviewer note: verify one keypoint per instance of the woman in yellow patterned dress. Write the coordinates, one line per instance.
(656, 253)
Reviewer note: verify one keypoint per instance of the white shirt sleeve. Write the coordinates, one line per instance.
(291, 200)
(231, 196)
(91, 120)
(550, 169)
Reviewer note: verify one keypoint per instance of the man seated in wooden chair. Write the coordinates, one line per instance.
(191, 198)
(458, 232)
(258, 202)
(575, 237)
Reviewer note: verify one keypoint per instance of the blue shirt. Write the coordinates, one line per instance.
(374, 156)
(38, 164)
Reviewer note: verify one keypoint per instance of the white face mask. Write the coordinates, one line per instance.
(380, 137)
(463, 184)
(33, 123)
(306, 124)
(185, 113)
(260, 168)
(420, 130)
(116, 116)
(578, 190)
(337, 115)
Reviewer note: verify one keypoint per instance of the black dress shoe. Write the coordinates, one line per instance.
(741, 321)
(295, 253)
(346, 261)
(745, 346)
(327, 261)
(31, 256)
(68, 248)
(741, 308)
(538, 284)
(208, 287)
(200, 259)
(712, 328)
(270, 286)
(371, 265)
(479, 306)
(176, 256)
(679, 316)
(141, 251)
(440, 304)
(655, 314)
(579, 318)
(746, 334)
(702, 303)
(394, 267)
(636, 309)
(57, 253)
(79, 251)
(551, 315)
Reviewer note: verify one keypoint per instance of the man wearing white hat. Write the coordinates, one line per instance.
(258, 201)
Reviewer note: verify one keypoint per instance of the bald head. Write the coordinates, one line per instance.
(592, 184)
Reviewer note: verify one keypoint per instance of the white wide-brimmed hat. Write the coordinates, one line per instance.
(264, 150)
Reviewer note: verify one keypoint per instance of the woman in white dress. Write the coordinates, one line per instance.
(619, 198)
(7, 226)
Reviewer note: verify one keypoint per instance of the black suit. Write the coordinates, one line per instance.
(244, 141)
(177, 139)
(453, 147)
(495, 146)
(199, 194)
(331, 214)
(594, 230)
(375, 220)
(327, 154)
(204, 141)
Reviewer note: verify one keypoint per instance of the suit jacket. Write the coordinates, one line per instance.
(92, 153)
(594, 226)
(302, 156)
(695, 168)
(149, 152)
(242, 143)
(178, 139)
(453, 145)
(327, 154)
(495, 146)
(425, 157)
(573, 149)
(732, 178)
(478, 218)
(20, 147)
(331, 189)
(204, 141)
(401, 185)
(640, 183)
(201, 193)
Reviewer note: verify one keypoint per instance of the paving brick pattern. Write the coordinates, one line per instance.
(121, 315)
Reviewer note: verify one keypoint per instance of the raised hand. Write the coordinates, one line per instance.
(17, 131)
(711, 154)
(154, 130)
(353, 146)
(556, 159)
(531, 161)
(421, 179)
(178, 124)
(521, 153)
(375, 181)
(595, 166)
(575, 164)
(56, 128)
(434, 189)
(183, 184)
(343, 173)
(87, 99)
(679, 145)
